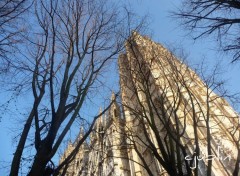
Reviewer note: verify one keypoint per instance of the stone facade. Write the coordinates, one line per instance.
(172, 122)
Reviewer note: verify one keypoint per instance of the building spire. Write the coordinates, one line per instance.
(114, 110)
(101, 117)
(113, 96)
(81, 134)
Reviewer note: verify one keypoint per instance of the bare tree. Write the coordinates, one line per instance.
(10, 28)
(173, 115)
(72, 44)
(213, 17)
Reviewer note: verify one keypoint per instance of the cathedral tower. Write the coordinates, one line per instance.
(172, 124)
(179, 123)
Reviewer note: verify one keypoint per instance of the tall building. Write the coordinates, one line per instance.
(172, 122)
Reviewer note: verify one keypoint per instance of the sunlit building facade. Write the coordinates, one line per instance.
(169, 121)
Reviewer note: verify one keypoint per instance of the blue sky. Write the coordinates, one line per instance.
(164, 30)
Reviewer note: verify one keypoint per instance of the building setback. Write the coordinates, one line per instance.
(169, 122)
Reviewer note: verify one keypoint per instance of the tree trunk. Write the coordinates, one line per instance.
(18, 154)
(40, 162)
(236, 170)
(43, 153)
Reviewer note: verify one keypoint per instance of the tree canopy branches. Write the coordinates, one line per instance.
(72, 43)
(10, 11)
(213, 17)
